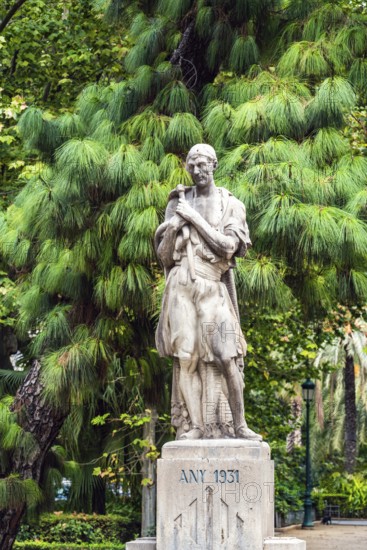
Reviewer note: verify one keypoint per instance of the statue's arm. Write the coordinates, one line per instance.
(169, 229)
(224, 245)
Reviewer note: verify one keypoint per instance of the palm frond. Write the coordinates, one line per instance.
(153, 149)
(10, 380)
(323, 20)
(147, 124)
(354, 37)
(15, 492)
(261, 280)
(250, 123)
(137, 287)
(244, 53)
(82, 160)
(174, 10)
(89, 103)
(169, 163)
(334, 97)
(124, 168)
(304, 59)
(327, 146)
(55, 330)
(71, 126)
(232, 160)
(175, 98)
(130, 250)
(217, 121)
(204, 21)
(179, 176)
(358, 75)
(238, 91)
(149, 43)
(143, 223)
(123, 102)
(183, 132)
(285, 114)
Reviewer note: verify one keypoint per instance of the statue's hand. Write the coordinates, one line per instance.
(186, 211)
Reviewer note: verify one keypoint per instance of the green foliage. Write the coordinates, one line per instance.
(217, 121)
(289, 483)
(75, 49)
(7, 304)
(277, 91)
(350, 490)
(304, 59)
(175, 98)
(16, 492)
(79, 529)
(244, 53)
(40, 545)
(183, 130)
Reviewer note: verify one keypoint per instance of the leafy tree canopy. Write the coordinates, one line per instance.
(271, 85)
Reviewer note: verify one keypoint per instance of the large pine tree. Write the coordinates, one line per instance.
(271, 86)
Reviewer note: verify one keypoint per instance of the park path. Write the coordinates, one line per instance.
(332, 537)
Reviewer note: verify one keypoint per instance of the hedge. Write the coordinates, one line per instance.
(79, 529)
(38, 545)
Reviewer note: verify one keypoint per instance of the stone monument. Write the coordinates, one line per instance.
(216, 481)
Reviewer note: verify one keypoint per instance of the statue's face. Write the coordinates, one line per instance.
(201, 169)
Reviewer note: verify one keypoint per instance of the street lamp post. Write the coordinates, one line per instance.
(308, 390)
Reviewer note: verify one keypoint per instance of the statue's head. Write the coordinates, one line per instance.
(201, 162)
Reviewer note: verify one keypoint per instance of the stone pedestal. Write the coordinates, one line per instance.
(145, 543)
(215, 494)
(284, 543)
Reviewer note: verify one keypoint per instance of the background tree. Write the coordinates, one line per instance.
(271, 91)
(342, 410)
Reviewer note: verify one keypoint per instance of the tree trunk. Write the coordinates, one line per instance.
(43, 421)
(8, 346)
(148, 520)
(350, 436)
(99, 497)
(189, 57)
(8, 16)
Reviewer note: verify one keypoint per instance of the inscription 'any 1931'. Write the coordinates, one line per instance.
(203, 476)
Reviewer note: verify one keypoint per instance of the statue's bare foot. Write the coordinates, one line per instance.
(243, 432)
(195, 433)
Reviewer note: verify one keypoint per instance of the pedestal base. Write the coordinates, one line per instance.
(146, 543)
(284, 543)
(280, 543)
(215, 493)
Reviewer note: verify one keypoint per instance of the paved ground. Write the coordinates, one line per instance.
(332, 537)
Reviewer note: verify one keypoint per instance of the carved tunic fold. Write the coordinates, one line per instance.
(198, 317)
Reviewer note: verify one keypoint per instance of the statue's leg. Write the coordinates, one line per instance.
(211, 379)
(235, 400)
(191, 388)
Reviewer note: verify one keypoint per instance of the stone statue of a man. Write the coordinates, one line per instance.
(204, 230)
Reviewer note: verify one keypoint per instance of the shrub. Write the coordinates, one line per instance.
(349, 491)
(39, 545)
(80, 528)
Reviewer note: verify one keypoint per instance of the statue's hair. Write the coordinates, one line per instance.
(205, 150)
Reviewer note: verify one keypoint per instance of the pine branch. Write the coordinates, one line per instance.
(13, 10)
